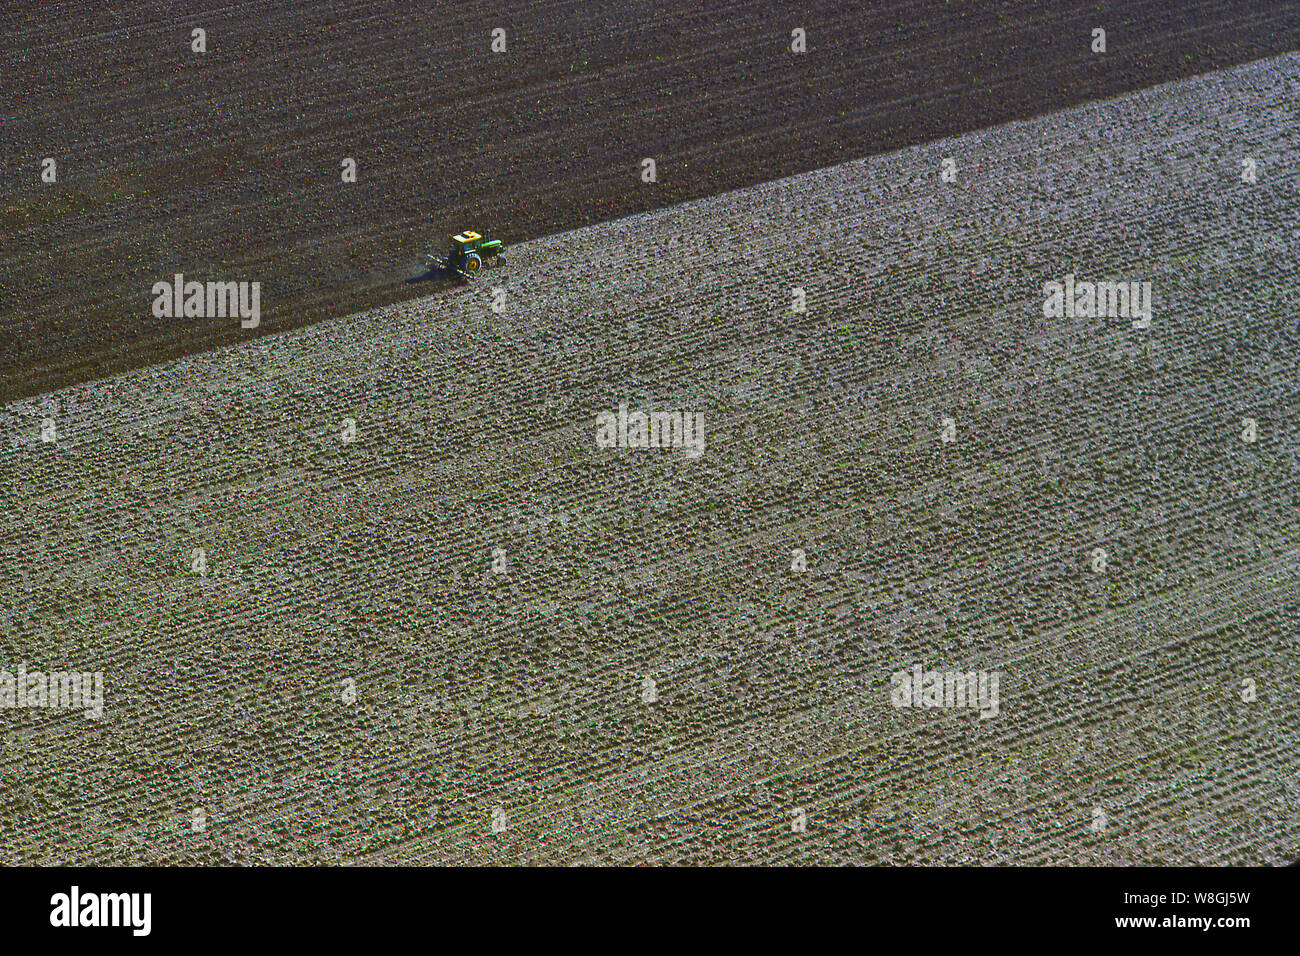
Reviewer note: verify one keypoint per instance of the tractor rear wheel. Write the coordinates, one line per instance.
(472, 264)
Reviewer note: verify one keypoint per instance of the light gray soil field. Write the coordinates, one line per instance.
(346, 678)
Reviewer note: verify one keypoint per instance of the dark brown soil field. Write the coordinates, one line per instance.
(227, 164)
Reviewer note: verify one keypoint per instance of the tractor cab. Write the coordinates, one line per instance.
(467, 241)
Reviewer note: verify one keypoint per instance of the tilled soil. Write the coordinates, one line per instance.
(347, 678)
(227, 164)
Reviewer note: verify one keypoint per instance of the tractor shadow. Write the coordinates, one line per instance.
(433, 273)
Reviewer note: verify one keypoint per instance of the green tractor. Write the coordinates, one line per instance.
(468, 252)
